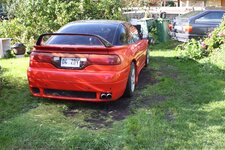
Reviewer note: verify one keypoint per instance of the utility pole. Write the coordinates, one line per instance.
(205, 2)
(178, 3)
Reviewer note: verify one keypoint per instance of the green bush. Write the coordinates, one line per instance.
(193, 49)
(34, 17)
(216, 38)
(217, 57)
(9, 54)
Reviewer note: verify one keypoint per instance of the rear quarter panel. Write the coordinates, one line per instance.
(135, 52)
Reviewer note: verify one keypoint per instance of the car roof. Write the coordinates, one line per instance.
(215, 8)
(102, 28)
(208, 10)
(115, 22)
(199, 13)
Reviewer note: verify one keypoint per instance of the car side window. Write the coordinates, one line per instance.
(211, 17)
(123, 36)
(134, 36)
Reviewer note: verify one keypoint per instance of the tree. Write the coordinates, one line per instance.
(34, 17)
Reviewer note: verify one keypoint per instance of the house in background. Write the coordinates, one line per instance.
(172, 8)
(195, 3)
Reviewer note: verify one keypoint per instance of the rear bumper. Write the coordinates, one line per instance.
(77, 85)
(184, 37)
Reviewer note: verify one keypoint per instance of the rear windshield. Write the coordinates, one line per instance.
(190, 14)
(107, 31)
(72, 40)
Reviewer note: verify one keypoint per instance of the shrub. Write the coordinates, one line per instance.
(9, 54)
(217, 57)
(216, 38)
(193, 49)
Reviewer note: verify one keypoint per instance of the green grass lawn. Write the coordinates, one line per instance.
(182, 107)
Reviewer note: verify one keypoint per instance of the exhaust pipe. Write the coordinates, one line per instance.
(103, 96)
(106, 95)
(109, 96)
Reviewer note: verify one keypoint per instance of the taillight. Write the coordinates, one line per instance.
(187, 28)
(104, 59)
(170, 26)
(40, 57)
(82, 59)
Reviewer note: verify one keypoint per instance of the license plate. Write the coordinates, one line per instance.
(70, 62)
(179, 28)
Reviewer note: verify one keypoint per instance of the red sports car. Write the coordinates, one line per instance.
(96, 60)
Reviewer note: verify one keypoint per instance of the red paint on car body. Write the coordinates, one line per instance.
(102, 70)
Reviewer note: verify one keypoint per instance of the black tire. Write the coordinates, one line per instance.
(131, 81)
(147, 60)
(162, 15)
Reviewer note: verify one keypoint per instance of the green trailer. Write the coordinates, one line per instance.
(162, 30)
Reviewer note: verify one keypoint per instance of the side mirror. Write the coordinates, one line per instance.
(138, 27)
(141, 35)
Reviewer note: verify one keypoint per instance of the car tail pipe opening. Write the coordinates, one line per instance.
(106, 95)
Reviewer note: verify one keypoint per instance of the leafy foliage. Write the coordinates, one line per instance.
(193, 49)
(32, 18)
(9, 54)
(216, 38)
(217, 57)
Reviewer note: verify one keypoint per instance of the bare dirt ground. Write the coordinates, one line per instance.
(102, 115)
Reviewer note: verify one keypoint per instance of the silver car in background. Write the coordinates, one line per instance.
(195, 24)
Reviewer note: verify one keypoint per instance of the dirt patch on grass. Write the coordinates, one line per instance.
(169, 115)
(99, 115)
(146, 78)
(71, 112)
(152, 100)
(102, 115)
(169, 71)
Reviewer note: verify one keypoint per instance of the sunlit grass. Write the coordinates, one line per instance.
(187, 111)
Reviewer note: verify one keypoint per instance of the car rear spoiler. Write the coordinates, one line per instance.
(101, 39)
